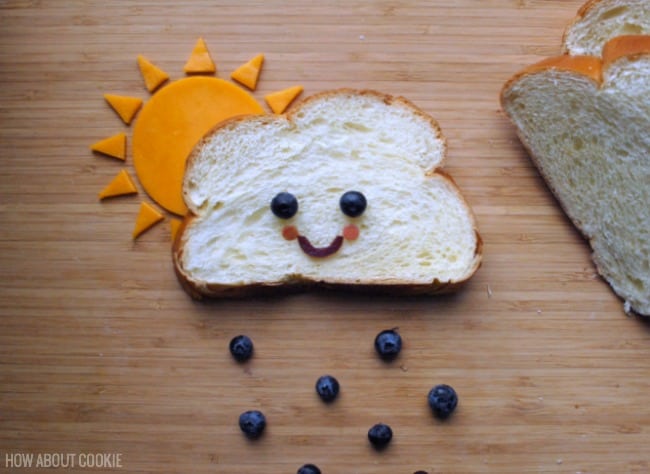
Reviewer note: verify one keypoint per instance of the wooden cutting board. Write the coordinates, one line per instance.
(105, 360)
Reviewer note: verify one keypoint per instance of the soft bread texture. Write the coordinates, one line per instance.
(417, 235)
(600, 20)
(585, 121)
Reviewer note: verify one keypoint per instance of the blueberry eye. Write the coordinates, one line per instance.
(284, 205)
(353, 203)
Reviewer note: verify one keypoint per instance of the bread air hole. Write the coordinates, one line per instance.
(578, 144)
(235, 254)
(203, 205)
(637, 283)
(359, 127)
(613, 13)
(631, 29)
(622, 152)
(256, 216)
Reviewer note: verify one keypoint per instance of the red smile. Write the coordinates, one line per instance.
(350, 232)
(320, 252)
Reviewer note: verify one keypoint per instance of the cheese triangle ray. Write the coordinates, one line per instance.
(120, 185)
(152, 75)
(125, 106)
(148, 216)
(248, 73)
(200, 61)
(114, 146)
(280, 100)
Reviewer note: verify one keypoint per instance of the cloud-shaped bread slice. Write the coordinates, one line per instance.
(585, 121)
(344, 191)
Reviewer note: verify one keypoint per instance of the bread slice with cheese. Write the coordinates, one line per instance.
(585, 121)
(598, 21)
(416, 233)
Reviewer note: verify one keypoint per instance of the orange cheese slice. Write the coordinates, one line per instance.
(147, 217)
(114, 146)
(248, 73)
(126, 107)
(119, 186)
(200, 61)
(153, 76)
(280, 100)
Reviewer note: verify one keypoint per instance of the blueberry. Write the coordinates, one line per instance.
(442, 400)
(241, 348)
(308, 469)
(284, 205)
(353, 203)
(327, 388)
(252, 423)
(388, 343)
(380, 435)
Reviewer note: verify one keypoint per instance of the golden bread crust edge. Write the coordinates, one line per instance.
(625, 46)
(592, 67)
(295, 283)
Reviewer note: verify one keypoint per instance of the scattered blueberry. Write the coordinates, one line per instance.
(442, 400)
(284, 205)
(252, 423)
(353, 203)
(380, 435)
(327, 388)
(309, 469)
(241, 348)
(388, 343)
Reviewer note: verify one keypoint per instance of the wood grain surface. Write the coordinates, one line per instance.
(102, 352)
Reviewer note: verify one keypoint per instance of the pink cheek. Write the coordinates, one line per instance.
(290, 232)
(351, 232)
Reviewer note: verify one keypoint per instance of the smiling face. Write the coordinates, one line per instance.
(285, 206)
(325, 195)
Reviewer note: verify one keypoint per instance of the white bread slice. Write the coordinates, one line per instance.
(598, 21)
(585, 121)
(417, 234)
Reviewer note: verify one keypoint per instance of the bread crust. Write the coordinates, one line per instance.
(582, 11)
(626, 46)
(588, 66)
(592, 67)
(295, 283)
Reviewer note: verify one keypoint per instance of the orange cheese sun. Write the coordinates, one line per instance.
(168, 126)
